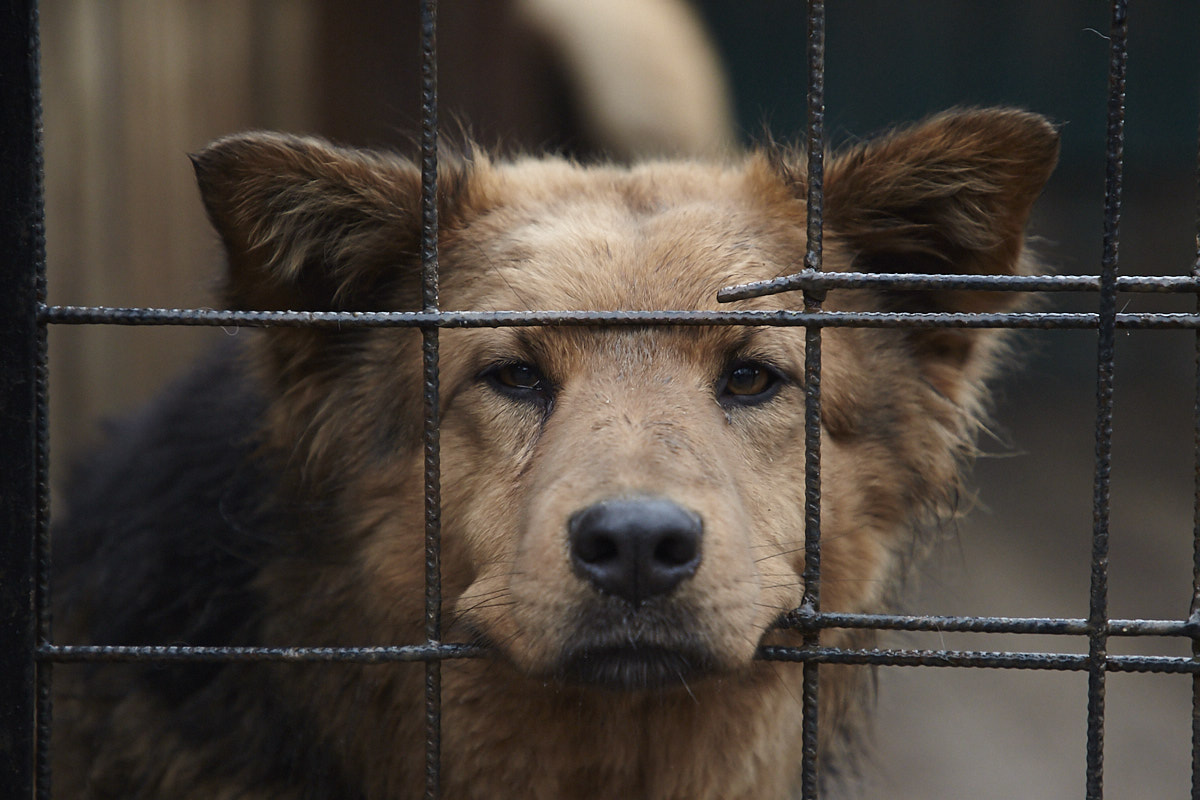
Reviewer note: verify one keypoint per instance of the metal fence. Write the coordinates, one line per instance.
(27, 651)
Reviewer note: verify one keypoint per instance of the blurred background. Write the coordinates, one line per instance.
(131, 86)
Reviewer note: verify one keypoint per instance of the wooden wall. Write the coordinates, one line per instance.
(129, 88)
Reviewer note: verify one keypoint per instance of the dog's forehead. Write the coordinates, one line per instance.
(661, 236)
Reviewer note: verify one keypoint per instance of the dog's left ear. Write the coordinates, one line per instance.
(950, 195)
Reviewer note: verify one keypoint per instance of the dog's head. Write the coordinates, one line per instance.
(624, 504)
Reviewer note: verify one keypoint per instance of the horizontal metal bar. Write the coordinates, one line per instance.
(361, 655)
(412, 653)
(1153, 627)
(1066, 662)
(941, 624)
(103, 315)
(798, 620)
(802, 620)
(904, 281)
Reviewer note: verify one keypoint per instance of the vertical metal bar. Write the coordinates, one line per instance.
(1194, 613)
(43, 602)
(1105, 358)
(810, 778)
(432, 437)
(22, 243)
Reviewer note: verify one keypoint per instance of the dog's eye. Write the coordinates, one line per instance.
(519, 379)
(520, 376)
(748, 383)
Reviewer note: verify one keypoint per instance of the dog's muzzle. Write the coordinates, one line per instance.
(634, 552)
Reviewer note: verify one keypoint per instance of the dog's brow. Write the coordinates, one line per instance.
(535, 344)
(745, 339)
(529, 342)
(513, 343)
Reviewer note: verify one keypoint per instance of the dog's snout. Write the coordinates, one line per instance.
(635, 549)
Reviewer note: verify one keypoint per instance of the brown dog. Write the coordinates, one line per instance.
(623, 508)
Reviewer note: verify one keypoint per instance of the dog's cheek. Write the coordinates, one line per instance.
(859, 527)
(860, 513)
(546, 596)
(769, 448)
(732, 598)
(488, 444)
(773, 494)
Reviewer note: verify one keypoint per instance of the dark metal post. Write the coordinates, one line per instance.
(429, 350)
(810, 777)
(1098, 625)
(22, 246)
(1194, 612)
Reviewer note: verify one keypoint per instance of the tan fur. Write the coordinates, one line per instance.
(635, 412)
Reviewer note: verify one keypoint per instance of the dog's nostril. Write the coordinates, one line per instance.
(635, 548)
(597, 548)
(676, 550)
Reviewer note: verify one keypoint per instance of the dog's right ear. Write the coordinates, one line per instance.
(310, 226)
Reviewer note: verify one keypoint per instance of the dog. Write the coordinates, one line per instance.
(622, 508)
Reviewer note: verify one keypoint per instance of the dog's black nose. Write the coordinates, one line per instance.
(635, 548)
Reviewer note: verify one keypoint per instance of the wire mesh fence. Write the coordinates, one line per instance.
(27, 648)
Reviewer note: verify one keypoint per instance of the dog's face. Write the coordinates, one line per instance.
(625, 505)
(639, 523)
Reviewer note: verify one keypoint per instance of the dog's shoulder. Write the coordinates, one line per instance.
(167, 521)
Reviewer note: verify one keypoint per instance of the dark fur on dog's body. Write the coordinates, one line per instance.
(622, 508)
